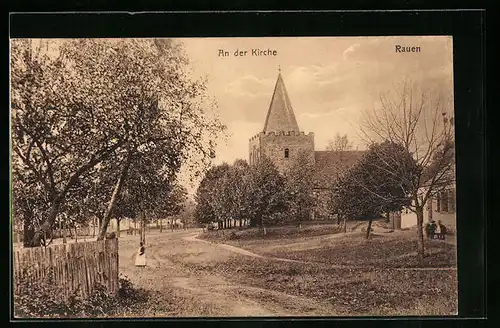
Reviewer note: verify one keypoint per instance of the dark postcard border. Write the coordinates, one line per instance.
(466, 27)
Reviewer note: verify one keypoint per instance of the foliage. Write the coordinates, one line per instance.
(299, 188)
(210, 200)
(419, 121)
(267, 193)
(241, 191)
(378, 183)
(43, 299)
(81, 117)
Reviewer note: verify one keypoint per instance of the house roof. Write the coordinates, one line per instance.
(280, 116)
(329, 164)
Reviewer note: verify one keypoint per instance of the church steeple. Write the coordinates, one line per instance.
(280, 116)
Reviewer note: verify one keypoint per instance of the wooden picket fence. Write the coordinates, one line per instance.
(77, 267)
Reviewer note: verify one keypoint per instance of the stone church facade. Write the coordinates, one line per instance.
(282, 141)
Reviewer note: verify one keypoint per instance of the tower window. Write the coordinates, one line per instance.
(287, 152)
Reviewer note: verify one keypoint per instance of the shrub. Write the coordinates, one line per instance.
(38, 299)
(128, 295)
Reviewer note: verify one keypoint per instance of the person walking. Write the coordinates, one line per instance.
(140, 259)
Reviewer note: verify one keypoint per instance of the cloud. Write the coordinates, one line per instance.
(349, 50)
(249, 86)
(321, 115)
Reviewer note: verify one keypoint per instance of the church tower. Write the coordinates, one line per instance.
(281, 139)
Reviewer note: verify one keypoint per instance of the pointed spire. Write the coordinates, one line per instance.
(280, 116)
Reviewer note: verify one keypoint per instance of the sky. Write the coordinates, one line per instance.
(331, 81)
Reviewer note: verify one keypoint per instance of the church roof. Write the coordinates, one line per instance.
(280, 116)
(330, 163)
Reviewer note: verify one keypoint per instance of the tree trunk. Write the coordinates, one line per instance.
(64, 232)
(345, 225)
(143, 230)
(59, 235)
(114, 197)
(420, 234)
(118, 227)
(46, 227)
(76, 234)
(161, 225)
(28, 233)
(368, 229)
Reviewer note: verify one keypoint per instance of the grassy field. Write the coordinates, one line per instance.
(386, 278)
(272, 233)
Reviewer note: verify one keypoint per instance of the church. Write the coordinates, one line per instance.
(282, 141)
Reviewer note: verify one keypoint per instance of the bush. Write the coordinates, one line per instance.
(38, 299)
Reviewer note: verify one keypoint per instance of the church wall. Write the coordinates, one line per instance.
(273, 146)
(254, 148)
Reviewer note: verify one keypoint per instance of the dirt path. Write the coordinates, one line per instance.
(193, 238)
(167, 254)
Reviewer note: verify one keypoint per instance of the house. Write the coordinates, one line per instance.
(441, 207)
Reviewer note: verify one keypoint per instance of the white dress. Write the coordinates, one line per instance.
(140, 260)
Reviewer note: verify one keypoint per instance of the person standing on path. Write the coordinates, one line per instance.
(140, 259)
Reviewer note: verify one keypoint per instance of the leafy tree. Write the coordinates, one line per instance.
(210, 195)
(376, 184)
(240, 189)
(419, 121)
(299, 187)
(267, 193)
(100, 101)
(187, 213)
(172, 202)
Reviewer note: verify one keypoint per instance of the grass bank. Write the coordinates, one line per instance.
(289, 231)
(387, 279)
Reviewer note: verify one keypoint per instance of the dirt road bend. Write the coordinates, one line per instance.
(169, 255)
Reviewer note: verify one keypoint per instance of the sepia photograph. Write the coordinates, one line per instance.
(233, 177)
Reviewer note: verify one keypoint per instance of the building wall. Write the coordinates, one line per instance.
(274, 147)
(435, 210)
(254, 148)
(125, 224)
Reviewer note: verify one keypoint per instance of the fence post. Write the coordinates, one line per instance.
(73, 264)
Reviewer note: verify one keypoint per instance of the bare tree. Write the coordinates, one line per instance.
(419, 121)
(340, 143)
